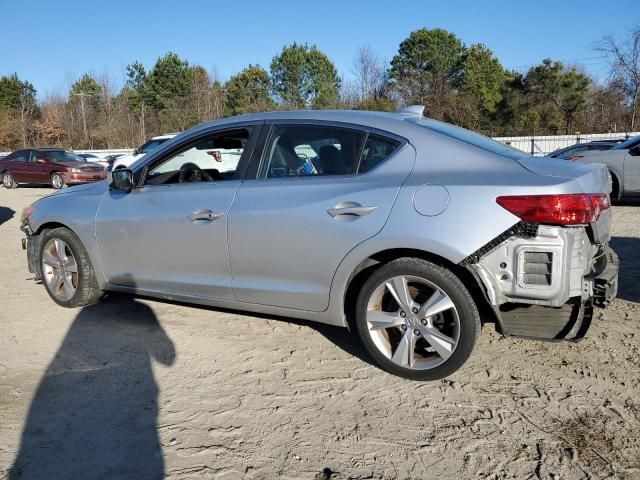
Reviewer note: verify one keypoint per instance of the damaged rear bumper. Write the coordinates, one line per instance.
(544, 284)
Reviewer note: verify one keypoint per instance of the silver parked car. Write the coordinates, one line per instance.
(623, 162)
(406, 229)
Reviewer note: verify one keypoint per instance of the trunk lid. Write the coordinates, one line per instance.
(592, 178)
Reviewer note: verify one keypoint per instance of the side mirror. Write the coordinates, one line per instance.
(41, 160)
(121, 180)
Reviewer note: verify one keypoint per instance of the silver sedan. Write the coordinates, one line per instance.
(409, 231)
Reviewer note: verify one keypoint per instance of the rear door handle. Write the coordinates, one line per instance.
(205, 214)
(350, 208)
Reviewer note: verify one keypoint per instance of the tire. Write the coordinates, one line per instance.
(8, 181)
(453, 326)
(56, 181)
(60, 250)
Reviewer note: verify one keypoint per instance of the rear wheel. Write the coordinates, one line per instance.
(8, 181)
(56, 181)
(417, 319)
(67, 272)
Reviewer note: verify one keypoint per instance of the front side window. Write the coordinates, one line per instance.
(311, 150)
(212, 158)
(151, 145)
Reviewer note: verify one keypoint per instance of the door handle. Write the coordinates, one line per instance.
(205, 214)
(350, 208)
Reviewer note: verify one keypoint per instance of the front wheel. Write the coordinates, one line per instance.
(67, 272)
(8, 181)
(57, 181)
(417, 319)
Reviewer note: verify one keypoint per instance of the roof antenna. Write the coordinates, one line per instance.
(416, 110)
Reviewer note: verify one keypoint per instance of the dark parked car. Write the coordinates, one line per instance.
(570, 153)
(52, 166)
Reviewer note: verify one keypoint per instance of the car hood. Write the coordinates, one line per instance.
(80, 165)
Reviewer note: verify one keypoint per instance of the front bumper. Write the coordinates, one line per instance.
(74, 178)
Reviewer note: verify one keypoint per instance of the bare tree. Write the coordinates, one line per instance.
(369, 72)
(624, 58)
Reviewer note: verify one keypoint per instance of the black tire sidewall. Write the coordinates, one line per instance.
(452, 286)
(86, 291)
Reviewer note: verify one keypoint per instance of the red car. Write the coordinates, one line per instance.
(52, 166)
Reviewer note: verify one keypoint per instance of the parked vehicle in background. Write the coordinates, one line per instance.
(405, 226)
(52, 166)
(126, 160)
(623, 162)
(92, 157)
(568, 153)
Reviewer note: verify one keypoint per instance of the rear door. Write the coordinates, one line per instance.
(317, 190)
(17, 165)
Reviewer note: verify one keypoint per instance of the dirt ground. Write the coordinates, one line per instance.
(135, 388)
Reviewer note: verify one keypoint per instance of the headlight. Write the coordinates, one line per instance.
(76, 170)
(26, 213)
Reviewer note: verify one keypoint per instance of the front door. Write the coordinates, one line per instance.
(170, 235)
(311, 203)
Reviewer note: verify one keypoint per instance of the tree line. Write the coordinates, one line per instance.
(460, 84)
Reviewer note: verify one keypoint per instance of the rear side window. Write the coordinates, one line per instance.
(376, 150)
(312, 150)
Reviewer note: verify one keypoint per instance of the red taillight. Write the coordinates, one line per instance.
(568, 209)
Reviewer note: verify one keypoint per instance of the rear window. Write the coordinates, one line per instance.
(629, 144)
(467, 136)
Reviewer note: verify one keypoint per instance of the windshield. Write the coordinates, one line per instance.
(628, 144)
(467, 136)
(63, 156)
(88, 155)
(151, 145)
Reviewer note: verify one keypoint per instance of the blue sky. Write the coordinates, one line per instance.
(48, 42)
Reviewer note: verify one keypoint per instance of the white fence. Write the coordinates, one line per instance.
(538, 146)
(546, 144)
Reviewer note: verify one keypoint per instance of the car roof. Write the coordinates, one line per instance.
(389, 121)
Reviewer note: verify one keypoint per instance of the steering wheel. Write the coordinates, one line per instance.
(190, 172)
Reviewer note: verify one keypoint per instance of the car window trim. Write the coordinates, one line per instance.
(254, 128)
(256, 158)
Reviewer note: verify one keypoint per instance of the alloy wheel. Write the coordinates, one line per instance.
(56, 181)
(7, 180)
(413, 322)
(59, 269)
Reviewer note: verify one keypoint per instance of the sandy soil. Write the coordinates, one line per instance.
(141, 389)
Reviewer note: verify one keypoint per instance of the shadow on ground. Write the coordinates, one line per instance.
(628, 250)
(6, 214)
(94, 414)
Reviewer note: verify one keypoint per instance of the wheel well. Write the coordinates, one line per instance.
(371, 264)
(615, 185)
(50, 226)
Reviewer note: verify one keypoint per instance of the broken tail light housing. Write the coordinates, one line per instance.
(562, 209)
